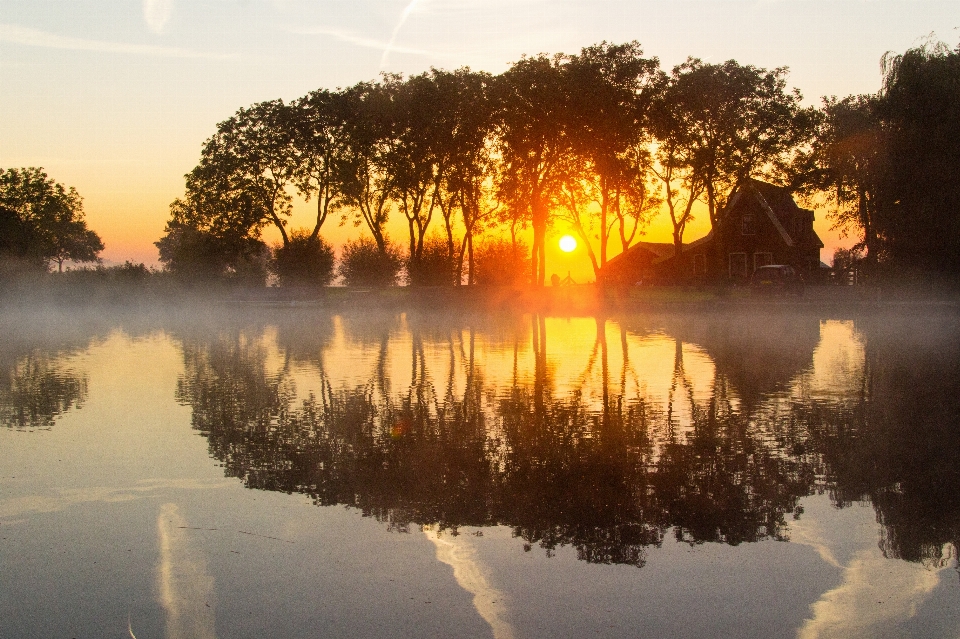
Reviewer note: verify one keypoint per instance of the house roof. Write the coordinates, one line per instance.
(778, 203)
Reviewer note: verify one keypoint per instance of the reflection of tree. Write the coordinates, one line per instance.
(557, 470)
(36, 387)
(895, 443)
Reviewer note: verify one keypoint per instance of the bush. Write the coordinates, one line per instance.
(362, 264)
(497, 262)
(436, 267)
(305, 261)
(192, 254)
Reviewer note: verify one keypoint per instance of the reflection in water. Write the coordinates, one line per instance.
(185, 588)
(36, 388)
(604, 467)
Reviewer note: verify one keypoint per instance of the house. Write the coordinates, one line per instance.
(760, 225)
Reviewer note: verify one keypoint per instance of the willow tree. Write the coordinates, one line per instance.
(919, 107)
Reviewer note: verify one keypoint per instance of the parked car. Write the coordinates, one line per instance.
(776, 278)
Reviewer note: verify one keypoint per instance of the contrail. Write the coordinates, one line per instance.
(393, 37)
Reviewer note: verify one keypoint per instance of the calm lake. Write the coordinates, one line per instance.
(253, 472)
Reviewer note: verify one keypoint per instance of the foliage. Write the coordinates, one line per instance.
(197, 254)
(602, 138)
(51, 225)
(500, 262)
(362, 263)
(304, 261)
(435, 266)
(919, 108)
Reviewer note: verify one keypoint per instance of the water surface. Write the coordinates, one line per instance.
(285, 472)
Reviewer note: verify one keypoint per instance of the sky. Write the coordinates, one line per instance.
(115, 97)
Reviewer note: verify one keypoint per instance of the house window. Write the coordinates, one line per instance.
(738, 265)
(762, 259)
(699, 265)
(748, 224)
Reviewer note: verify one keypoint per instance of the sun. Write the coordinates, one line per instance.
(568, 243)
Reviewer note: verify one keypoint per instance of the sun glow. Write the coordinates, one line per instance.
(568, 243)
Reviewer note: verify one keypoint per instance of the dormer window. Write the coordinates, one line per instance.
(748, 224)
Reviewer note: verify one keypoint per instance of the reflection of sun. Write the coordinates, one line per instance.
(568, 243)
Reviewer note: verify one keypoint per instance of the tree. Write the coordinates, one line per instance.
(52, 216)
(367, 129)
(318, 146)
(611, 90)
(464, 150)
(919, 107)
(849, 166)
(718, 126)
(214, 230)
(533, 140)
(674, 164)
(255, 148)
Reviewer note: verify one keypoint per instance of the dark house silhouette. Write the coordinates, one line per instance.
(760, 225)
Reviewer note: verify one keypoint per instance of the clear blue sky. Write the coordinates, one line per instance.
(115, 97)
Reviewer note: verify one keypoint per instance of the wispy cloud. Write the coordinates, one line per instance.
(16, 34)
(396, 30)
(360, 41)
(156, 13)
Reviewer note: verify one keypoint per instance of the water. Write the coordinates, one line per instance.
(249, 472)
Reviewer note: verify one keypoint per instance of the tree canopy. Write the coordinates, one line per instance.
(50, 226)
(600, 140)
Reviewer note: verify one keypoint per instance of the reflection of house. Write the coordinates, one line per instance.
(760, 225)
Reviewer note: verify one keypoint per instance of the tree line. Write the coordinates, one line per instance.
(476, 163)
(602, 140)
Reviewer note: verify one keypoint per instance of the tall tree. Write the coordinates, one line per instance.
(367, 129)
(53, 215)
(318, 145)
(257, 146)
(465, 144)
(611, 87)
(533, 141)
(849, 165)
(920, 109)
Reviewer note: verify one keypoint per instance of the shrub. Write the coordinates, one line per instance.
(497, 262)
(192, 254)
(304, 261)
(363, 264)
(436, 267)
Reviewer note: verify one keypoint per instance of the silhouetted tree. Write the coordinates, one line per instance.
(367, 129)
(850, 155)
(51, 218)
(919, 106)
(611, 90)
(533, 138)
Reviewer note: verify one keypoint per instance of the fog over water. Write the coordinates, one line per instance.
(240, 471)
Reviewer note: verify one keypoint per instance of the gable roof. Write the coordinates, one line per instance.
(778, 204)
